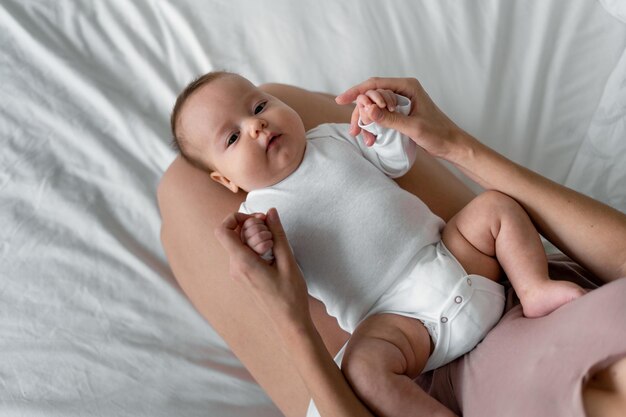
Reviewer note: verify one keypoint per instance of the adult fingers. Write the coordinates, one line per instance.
(403, 86)
(390, 99)
(226, 233)
(354, 122)
(282, 250)
(360, 113)
(368, 138)
(376, 97)
(392, 120)
(354, 125)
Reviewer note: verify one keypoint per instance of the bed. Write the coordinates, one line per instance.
(92, 322)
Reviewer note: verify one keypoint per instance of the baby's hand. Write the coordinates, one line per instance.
(380, 97)
(257, 236)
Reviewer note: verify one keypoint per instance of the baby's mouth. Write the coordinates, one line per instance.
(272, 140)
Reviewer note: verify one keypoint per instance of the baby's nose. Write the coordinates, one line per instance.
(256, 127)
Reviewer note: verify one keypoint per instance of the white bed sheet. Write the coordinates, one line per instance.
(92, 322)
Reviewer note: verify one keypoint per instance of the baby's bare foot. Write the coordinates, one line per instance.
(545, 298)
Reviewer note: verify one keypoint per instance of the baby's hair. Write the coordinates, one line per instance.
(177, 139)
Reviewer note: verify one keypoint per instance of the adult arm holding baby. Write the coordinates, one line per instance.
(585, 234)
(300, 325)
(280, 292)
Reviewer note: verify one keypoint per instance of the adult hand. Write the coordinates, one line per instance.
(278, 287)
(425, 124)
(384, 99)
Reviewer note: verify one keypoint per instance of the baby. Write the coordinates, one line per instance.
(365, 246)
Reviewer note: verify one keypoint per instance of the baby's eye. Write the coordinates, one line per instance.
(232, 139)
(259, 108)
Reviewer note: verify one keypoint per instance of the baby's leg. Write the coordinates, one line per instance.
(384, 355)
(494, 228)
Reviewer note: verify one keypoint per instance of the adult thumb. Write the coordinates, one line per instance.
(390, 120)
(282, 250)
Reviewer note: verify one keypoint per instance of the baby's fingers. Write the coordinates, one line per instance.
(252, 221)
(259, 239)
(263, 246)
(354, 122)
(376, 97)
(362, 103)
(382, 98)
(390, 99)
(368, 138)
(253, 229)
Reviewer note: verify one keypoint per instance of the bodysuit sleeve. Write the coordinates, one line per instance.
(393, 153)
(243, 208)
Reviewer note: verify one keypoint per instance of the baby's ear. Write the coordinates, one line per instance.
(219, 178)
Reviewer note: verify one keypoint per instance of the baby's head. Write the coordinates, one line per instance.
(245, 138)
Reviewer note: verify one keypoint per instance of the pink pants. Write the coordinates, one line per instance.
(537, 367)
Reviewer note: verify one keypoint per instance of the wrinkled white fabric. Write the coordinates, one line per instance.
(91, 320)
(599, 169)
(616, 7)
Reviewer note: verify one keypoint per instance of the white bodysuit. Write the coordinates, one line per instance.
(367, 246)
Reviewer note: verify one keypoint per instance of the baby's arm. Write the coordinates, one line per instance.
(389, 150)
(257, 236)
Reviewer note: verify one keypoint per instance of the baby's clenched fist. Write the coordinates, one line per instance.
(257, 236)
(383, 99)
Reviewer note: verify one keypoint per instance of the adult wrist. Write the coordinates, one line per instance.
(290, 317)
(295, 331)
(464, 149)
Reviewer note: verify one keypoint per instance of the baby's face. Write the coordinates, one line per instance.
(252, 139)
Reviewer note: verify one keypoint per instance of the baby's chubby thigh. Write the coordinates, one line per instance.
(385, 344)
(469, 238)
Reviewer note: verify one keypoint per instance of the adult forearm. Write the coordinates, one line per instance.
(586, 230)
(589, 232)
(326, 384)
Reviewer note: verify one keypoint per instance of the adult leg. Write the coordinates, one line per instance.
(192, 206)
(384, 355)
(537, 367)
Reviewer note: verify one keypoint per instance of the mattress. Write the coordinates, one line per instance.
(92, 322)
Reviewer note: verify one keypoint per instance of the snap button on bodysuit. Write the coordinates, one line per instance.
(458, 299)
(444, 319)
